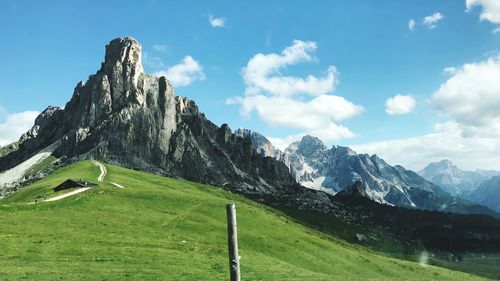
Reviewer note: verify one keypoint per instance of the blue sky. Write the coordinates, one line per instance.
(46, 49)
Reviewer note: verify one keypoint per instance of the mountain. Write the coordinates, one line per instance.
(454, 180)
(123, 115)
(488, 193)
(159, 228)
(262, 145)
(335, 169)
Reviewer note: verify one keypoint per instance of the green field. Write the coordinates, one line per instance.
(160, 228)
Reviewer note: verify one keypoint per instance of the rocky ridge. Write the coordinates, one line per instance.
(338, 168)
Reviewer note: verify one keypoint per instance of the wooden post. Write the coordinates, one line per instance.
(232, 241)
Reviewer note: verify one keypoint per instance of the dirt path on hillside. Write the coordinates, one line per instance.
(62, 196)
(104, 171)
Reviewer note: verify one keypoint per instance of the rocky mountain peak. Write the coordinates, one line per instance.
(357, 189)
(125, 116)
(310, 145)
(454, 180)
(445, 162)
(262, 145)
(444, 167)
(343, 151)
(124, 52)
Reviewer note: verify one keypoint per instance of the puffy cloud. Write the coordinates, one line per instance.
(216, 22)
(262, 73)
(490, 9)
(431, 21)
(496, 30)
(316, 116)
(399, 104)
(316, 112)
(471, 138)
(295, 102)
(184, 73)
(16, 124)
(471, 97)
(411, 24)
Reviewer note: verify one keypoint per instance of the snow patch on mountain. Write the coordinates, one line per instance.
(16, 173)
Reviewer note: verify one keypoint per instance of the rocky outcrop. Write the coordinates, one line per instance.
(123, 115)
(263, 146)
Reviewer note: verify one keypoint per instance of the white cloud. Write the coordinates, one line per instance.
(450, 70)
(447, 142)
(471, 97)
(490, 9)
(216, 22)
(431, 21)
(295, 102)
(496, 30)
(184, 73)
(399, 104)
(411, 24)
(160, 48)
(262, 73)
(315, 115)
(471, 138)
(16, 124)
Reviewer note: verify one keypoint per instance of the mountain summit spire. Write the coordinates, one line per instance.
(124, 51)
(123, 66)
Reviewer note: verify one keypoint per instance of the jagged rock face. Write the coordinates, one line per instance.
(125, 116)
(340, 167)
(120, 114)
(311, 147)
(454, 180)
(203, 152)
(336, 169)
(357, 189)
(263, 146)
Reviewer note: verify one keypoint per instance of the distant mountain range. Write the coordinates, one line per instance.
(454, 180)
(333, 170)
(488, 193)
(480, 186)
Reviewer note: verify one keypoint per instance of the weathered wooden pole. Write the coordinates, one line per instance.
(232, 241)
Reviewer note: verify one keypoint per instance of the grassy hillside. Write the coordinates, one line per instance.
(159, 228)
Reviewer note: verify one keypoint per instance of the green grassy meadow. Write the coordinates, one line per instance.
(159, 228)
